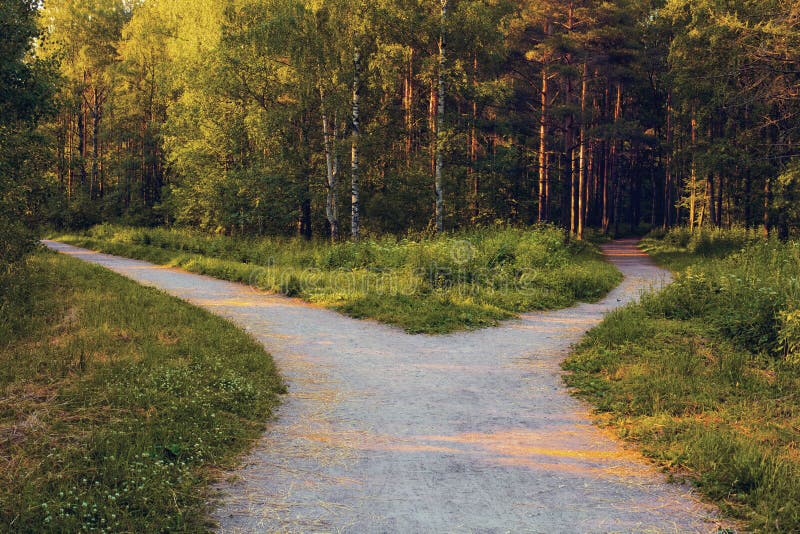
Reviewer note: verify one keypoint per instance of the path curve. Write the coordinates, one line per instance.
(383, 431)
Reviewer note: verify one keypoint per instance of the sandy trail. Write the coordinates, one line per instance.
(469, 432)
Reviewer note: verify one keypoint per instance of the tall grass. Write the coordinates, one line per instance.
(704, 375)
(117, 401)
(679, 247)
(434, 285)
(746, 287)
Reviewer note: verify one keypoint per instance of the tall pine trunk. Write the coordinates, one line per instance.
(607, 153)
(766, 219)
(693, 176)
(355, 225)
(82, 144)
(440, 123)
(545, 96)
(408, 105)
(473, 143)
(70, 162)
(96, 116)
(668, 166)
(567, 198)
(582, 157)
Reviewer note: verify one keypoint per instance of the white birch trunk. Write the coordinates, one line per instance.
(331, 172)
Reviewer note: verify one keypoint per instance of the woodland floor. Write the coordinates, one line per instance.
(386, 431)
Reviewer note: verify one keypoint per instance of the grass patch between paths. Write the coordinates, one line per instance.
(117, 401)
(460, 281)
(704, 375)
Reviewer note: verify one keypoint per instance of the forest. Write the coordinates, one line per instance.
(340, 118)
(410, 216)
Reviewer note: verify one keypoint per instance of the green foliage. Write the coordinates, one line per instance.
(26, 87)
(703, 374)
(744, 286)
(116, 401)
(464, 280)
(211, 114)
(679, 247)
(789, 334)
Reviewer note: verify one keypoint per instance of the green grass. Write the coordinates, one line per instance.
(437, 285)
(705, 375)
(680, 248)
(117, 402)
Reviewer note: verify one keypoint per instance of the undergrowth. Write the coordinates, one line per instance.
(459, 281)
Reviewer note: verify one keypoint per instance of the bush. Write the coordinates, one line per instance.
(743, 285)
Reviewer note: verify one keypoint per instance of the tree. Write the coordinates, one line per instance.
(239, 116)
(26, 87)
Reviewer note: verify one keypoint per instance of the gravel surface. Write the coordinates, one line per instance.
(383, 431)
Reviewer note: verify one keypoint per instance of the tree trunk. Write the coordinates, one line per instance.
(608, 154)
(61, 148)
(748, 222)
(143, 177)
(573, 187)
(432, 105)
(693, 178)
(545, 98)
(82, 116)
(582, 156)
(331, 172)
(70, 162)
(547, 165)
(304, 226)
(767, 222)
(355, 229)
(589, 184)
(617, 200)
(712, 199)
(408, 105)
(568, 194)
(95, 143)
(654, 192)
(440, 123)
(613, 174)
(473, 143)
(667, 167)
(720, 193)
(543, 150)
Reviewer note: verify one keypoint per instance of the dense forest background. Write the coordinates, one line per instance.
(343, 117)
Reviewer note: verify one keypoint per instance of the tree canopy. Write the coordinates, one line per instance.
(336, 117)
(26, 87)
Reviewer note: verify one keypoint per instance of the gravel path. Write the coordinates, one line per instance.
(470, 432)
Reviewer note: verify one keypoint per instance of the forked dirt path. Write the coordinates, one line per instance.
(470, 432)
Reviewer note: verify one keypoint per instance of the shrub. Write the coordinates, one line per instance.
(741, 284)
